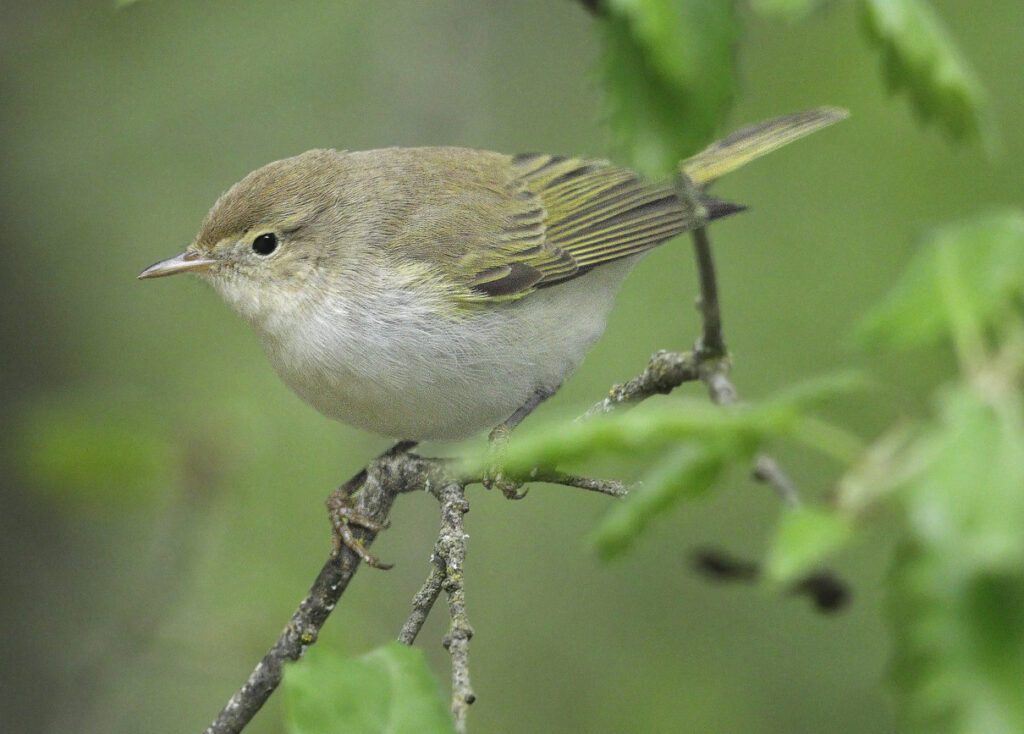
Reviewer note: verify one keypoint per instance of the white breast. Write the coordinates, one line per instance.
(395, 366)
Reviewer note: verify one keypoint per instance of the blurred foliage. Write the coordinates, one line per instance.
(669, 61)
(387, 691)
(919, 57)
(685, 445)
(788, 9)
(687, 471)
(957, 586)
(987, 255)
(93, 450)
(956, 596)
(668, 68)
(804, 537)
(956, 593)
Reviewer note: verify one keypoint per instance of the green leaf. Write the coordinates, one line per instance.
(668, 68)
(967, 502)
(958, 658)
(643, 431)
(813, 392)
(985, 255)
(389, 689)
(689, 471)
(803, 540)
(883, 468)
(689, 443)
(786, 9)
(656, 426)
(919, 58)
(957, 591)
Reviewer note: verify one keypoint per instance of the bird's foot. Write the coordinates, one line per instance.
(344, 518)
(494, 475)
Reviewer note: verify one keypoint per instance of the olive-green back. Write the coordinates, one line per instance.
(511, 224)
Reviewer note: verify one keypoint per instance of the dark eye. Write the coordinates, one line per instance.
(265, 244)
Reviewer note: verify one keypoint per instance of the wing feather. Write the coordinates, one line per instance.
(597, 213)
(565, 216)
(513, 224)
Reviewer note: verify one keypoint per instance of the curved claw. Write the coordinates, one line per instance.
(494, 478)
(343, 537)
(514, 492)
(343, 518)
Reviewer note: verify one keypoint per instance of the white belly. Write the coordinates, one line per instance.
(402, 370)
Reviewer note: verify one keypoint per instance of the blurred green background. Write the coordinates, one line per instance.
(162, 491)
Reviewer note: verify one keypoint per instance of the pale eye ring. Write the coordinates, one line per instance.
(265, 244)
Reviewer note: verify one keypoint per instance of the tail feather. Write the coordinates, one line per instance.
(717, 208)
(753, 142)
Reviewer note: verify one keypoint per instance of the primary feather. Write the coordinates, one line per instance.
(513, 224)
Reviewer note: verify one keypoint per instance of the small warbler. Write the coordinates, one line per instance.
(429, 293)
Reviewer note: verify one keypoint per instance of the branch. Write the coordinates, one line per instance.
(708, 361)
(446, 572)
(767, 470)
(664, 373)
(451, 551)
(423, 602)
(374, 489)
(610, 487)
(712, 358)
(711, 343)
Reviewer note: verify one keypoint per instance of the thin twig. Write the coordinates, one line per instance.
(374, 490)
(451, 551)
(664, 373)
(712, 343)
(767, 470)
(423, 602)
(714, 373)
(610, 487)
(714, 365)
(709, 360)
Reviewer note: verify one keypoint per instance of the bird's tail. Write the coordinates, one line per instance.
(755, 141)
(718, 208)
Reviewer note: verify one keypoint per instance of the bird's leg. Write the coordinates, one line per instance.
(343, 515)
(494, 477)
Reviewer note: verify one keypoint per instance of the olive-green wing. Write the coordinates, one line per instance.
(569, 216)
(597, 213)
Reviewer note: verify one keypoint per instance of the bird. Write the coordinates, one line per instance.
(431, 293)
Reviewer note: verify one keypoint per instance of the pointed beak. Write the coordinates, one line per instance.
(183, 263)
